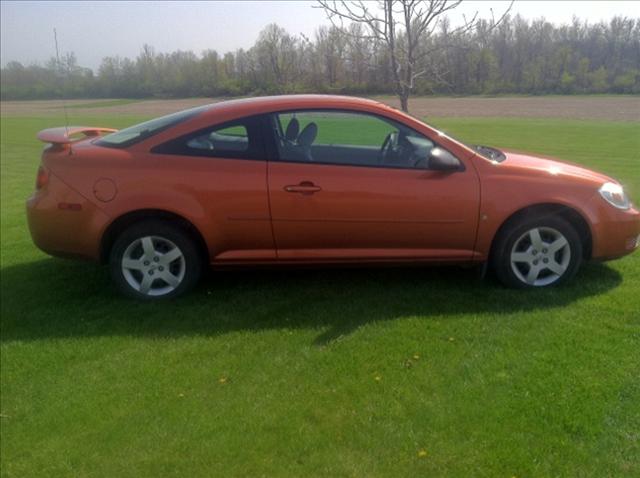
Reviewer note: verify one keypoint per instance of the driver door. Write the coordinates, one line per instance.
(347, 199)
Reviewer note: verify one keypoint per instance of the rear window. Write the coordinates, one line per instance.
(134, 134)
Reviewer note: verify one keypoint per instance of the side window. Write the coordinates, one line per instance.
(240, 139)
(349, 138)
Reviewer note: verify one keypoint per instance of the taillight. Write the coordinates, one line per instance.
(42, 178)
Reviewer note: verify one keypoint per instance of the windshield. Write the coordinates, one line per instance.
(492, 154)
(136, 133)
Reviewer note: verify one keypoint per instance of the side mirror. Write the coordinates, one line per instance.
(442, 160)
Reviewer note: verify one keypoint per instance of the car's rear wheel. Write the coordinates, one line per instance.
(154, 260)
(538, 252)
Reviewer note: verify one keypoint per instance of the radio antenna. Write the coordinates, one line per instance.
(64, 106)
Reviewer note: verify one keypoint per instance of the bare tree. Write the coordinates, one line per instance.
(276, 54)
(405, 27)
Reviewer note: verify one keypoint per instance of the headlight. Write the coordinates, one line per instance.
(614, 195)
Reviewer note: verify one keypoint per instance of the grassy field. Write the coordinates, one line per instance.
(386, 372)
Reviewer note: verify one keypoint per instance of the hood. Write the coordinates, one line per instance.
(527, 164)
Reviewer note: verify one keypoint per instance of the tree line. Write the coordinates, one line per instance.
(516, 56)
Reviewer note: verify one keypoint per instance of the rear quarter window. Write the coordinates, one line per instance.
(238, 139)
(233, 138)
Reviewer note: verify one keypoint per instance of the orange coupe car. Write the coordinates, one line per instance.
(310, 179)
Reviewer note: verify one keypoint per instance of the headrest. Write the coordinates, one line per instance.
(293, 128)
(308, 135)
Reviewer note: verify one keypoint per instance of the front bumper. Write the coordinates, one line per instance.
(616, 233)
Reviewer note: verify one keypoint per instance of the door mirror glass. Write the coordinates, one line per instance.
(442, 160)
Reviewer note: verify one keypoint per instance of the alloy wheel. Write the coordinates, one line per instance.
(153, 265)
(540, 256)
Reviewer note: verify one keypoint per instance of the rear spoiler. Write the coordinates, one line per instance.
(64, 136)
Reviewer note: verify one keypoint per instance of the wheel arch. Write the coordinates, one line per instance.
(571, 215)
(125, 220)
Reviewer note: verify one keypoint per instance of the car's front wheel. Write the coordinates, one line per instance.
(154, 260)
(537, 252)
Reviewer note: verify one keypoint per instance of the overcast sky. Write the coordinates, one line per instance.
(93, 30)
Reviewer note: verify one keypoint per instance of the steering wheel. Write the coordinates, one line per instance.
(389, 145)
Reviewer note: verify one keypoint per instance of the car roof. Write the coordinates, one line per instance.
(278, 100)
(263, 104)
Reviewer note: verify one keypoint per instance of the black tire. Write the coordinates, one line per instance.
(163, 233)
(518, 231)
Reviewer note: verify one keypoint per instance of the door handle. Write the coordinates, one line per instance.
(305, 187)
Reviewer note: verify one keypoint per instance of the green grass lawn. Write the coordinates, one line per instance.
(383, 372)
